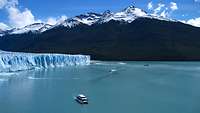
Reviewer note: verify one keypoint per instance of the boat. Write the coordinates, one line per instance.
(112, 70)
(82, 99)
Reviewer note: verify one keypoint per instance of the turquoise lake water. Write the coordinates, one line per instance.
(131, 87)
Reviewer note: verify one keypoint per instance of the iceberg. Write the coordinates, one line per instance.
(16, 61)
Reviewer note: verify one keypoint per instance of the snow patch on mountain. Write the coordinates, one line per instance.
(89, 18)
(129, 14)
(36, 27)
(69, 23)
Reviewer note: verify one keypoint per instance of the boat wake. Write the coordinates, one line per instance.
(122, 63)
(34, 78)
(76, 78)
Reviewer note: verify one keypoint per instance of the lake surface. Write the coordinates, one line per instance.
(131, 87)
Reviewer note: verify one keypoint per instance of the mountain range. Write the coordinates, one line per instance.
(129, 14)
(130, 34)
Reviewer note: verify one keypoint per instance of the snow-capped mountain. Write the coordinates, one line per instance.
(128, 14)
(36, 28)
(88, 19)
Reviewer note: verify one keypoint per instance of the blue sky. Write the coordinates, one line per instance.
(52, 10)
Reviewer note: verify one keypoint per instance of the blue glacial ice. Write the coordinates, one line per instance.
(15, 61)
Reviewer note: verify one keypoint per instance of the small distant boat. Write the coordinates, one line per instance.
(112, 70)
(146, 65)
(81, 99)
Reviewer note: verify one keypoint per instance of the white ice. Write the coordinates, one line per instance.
(14, 61)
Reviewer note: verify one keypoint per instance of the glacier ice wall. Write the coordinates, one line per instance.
(14, 61)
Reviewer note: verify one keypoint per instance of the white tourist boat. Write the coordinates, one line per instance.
(82, 99)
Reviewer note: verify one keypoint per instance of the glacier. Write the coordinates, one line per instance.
(16, 61)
